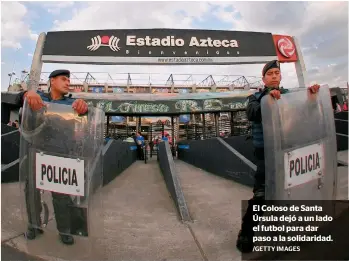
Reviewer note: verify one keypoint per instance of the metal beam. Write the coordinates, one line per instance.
(222, 80)
(74, 77)
(111, 79)
(189, 78)
(212, 82)
(170, 81)
(204, 81)
(240, 82)
(86, 78)
(247, 84)
(182, 80)
(129, 82)
(89, 77)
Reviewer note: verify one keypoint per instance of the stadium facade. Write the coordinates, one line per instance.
(103, 82)
(185, 126)
(193, 126)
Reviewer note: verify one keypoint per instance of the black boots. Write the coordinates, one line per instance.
(33, 232)
(66, 239)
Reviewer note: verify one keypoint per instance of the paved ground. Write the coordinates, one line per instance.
(9, 253)
(342, 157)
(342, 184)
(134, 218)
(215, 205)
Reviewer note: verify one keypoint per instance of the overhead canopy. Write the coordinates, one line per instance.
(163, 103)
(166, 103)
(159, 104)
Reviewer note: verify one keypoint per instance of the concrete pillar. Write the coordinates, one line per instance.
(193, 88)
(300, 66)
(85, 85)
(36, 67)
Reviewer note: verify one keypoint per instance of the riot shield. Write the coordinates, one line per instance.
(60, 171)
(299, 146)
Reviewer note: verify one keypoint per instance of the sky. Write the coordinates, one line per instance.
(321, 28)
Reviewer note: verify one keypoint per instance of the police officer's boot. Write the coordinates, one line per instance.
(33, 232)
(244, 242)
(66, 239)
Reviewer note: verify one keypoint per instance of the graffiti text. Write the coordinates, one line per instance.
(143, 107)
(187, 105)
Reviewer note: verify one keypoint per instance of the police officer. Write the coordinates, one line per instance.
(59, 82)
(271, 77)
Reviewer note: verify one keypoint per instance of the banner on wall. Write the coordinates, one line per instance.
(140, 90)
(184, 118)
(117, 119)
(118, 90)
(203, 90)
(160, 90)
(170, 104)
(77, 89)
(183, 91)
(97, 89)
(157, 119)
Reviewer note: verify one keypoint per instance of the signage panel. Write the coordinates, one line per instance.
(59, 174)
(285, 48)
(303, 165)
(159, 46)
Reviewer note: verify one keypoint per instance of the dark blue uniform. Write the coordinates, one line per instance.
(254, 115)
(62, 203)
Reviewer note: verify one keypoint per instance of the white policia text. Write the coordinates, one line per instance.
(305, 164)
(66, 176)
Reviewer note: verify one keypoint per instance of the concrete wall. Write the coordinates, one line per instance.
(169, 172)
(211, 155)
(117, 156)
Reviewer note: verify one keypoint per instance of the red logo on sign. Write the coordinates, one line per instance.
(285, 48)
(98, 41)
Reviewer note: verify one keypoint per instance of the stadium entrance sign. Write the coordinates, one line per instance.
(160, 46)
(165, 47)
